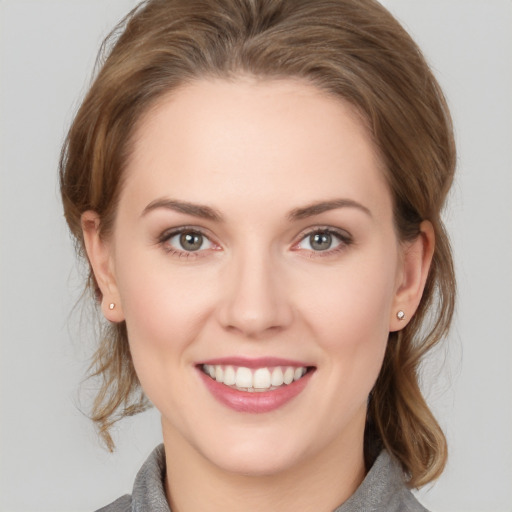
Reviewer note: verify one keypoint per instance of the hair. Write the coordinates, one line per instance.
(354, 50)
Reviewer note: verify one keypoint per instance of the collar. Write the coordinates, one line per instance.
(383, 488)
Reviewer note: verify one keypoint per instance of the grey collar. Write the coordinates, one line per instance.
(382, 490)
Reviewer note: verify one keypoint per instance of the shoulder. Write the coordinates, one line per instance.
(383, 490)
(410, 503)
(148, 491)
(122, 504)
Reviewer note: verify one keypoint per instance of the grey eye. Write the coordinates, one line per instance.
(191, 241)
(320, 241)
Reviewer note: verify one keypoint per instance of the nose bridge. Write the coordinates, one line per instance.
(255, 299)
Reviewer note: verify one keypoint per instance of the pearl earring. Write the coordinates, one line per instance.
(111, 306)
(400, 315)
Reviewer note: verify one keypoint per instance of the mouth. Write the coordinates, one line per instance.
(254, 386)
(255, 380)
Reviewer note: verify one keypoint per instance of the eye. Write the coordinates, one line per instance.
(187, 241)
(323, 240)
(320, 241)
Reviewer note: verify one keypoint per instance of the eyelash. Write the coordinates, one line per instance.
(344, 238)
(166, 236)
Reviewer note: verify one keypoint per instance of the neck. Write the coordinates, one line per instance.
(321, 483)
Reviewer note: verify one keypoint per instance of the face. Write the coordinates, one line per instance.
(255, 262)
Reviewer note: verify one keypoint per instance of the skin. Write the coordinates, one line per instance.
(255, 152)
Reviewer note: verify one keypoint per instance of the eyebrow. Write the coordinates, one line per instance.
(324, 206)
(206, 212)
(202, 211)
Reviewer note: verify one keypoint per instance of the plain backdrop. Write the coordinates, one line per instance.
(50, 458)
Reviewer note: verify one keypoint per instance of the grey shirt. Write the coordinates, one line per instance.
(383, 489)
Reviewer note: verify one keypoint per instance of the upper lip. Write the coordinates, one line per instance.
(259, 362)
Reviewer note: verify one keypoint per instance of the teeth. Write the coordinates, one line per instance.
(243, 378)
(229, 376)
(260, 379)
(298, 373)
(288, 375)
(277, 377)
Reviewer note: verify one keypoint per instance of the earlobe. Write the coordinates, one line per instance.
(416, 260)
(99, 253)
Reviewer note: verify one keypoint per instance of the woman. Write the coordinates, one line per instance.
(258, 186)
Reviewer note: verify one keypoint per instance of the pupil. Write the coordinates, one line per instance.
(191, 241)
(320, 241)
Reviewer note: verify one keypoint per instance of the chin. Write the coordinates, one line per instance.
(255, 463)
(255, 452)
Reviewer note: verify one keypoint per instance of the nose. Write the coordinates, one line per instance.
(255, 299)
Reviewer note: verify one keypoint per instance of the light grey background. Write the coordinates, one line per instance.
(50, 459)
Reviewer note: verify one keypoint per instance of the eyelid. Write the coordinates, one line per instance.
(344, 236)
(170, 233)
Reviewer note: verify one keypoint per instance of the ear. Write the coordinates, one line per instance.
(415, 265)
(99, 252)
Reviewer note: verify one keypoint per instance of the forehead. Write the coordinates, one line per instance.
(215, 140)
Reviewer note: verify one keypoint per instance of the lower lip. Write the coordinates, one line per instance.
(256, 402)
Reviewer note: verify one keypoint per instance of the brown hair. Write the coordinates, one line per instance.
(353, 49)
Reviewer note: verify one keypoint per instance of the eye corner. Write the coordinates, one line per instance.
(336, 240)
(174, 241)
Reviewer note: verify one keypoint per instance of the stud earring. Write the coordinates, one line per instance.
(111, 306)
(400, 315)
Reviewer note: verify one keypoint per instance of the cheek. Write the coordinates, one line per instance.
(350, 319)
(354, 307)
(162, 306)
(163, 317)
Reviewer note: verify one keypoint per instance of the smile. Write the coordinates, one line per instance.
(262, 379)
(255, 385)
